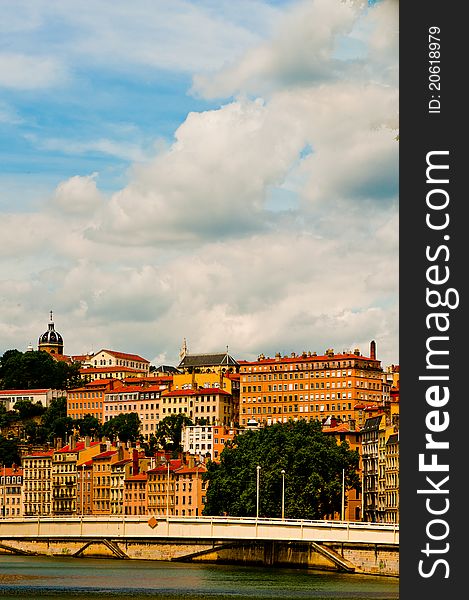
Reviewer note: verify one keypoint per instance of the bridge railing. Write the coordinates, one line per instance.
(220, 528)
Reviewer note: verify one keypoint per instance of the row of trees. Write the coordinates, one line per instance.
(313, 465)
(36, 369)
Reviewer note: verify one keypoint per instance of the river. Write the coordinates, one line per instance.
(28, 578)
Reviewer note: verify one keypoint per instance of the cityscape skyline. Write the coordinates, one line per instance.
(230, 178)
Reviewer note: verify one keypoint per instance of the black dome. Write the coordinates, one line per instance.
(51, 336)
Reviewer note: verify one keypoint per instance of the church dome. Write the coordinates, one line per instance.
(51, 337)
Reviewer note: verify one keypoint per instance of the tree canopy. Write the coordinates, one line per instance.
(124, 427)
(9, 453)
(36, 369)
(169, 432)
(312, 461)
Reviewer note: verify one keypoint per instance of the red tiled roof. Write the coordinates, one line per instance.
(342, 428)
(180, 393)
(16, 392)
(108, 370)
(39, 454)
(203, 391)
(299, 358)
(78, 446)
(62, 357)
(123, 355)
(186, 470)
(8, 471)
(138, 477)
(106, 454)
(124, 461)
(173, 465)
(149, 379)
(125, 389)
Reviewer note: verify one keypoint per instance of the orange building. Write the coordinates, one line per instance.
(89, 399)
(135, 494)
(161, 488)
(308, 386)
(189, 496)
(221, 434)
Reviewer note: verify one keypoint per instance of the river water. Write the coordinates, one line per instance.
(28, 578)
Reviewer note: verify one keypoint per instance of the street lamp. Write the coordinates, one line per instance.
(257, 495)
(283, 494)
(343, 495)
(167, 494)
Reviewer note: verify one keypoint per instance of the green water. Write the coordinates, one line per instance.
(28, 578)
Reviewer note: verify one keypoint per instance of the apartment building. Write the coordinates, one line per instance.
(190, 488)
(161, 488)
(110, 358)
(143, 400)
(9, 398)
(11, 488)
(64, 473)
(308, 386)
(89, 399)
(37, 483)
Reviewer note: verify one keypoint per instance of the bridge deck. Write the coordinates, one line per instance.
(208, 528)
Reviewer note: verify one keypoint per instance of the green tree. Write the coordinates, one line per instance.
(169, 431)
(55, 422)
(27, 409)
(9, 452)
(37, 369)
(88, 425)
(312, 461)
(125, 427)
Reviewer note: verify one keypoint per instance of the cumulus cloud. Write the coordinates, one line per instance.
(211, 183)
(193, 248)
(78, 195)
(300, 53)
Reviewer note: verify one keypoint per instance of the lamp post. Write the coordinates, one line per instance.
(343, 495)
(283, 494)
(82, 487)
(167, 494)
(257, 494)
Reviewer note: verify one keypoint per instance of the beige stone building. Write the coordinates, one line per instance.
(37, 484)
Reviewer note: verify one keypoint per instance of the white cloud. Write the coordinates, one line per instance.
(189, 248)
(79, 195)
(23, 72)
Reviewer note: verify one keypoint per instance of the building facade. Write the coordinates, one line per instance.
(308, 386)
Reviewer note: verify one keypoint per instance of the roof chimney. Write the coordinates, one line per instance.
(135, 465)
(373, 349)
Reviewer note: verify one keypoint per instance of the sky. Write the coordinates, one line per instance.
(215, 171)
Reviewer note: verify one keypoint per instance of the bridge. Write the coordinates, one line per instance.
(340, 545)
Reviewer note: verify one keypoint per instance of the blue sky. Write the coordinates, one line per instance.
(204, 170)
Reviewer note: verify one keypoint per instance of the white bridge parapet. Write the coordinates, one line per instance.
(197, 528)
